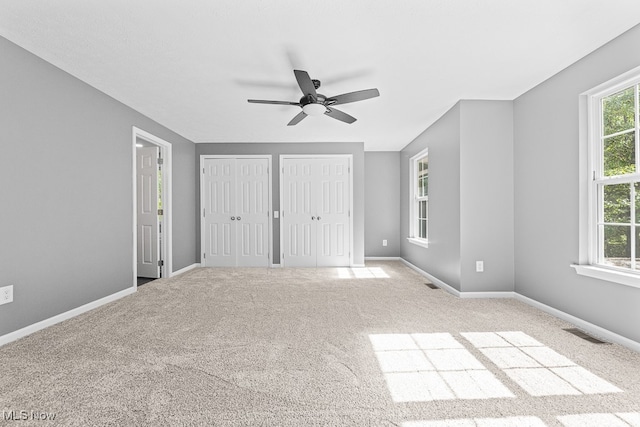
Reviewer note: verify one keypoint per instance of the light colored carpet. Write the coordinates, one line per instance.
(297, 347)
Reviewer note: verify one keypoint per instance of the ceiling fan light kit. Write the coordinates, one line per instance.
(316, 104)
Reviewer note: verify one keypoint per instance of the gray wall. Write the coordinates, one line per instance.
(442, 257)
(470, 197)
(66, 213)
(276, 149)
(546, 193)
(382, 203)
(486, 195)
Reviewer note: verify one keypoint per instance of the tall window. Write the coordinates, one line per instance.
(615, 189)
(419, 228)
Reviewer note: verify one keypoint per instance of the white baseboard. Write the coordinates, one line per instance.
(439, 283)
(276, 265)
(28, 330)
(490, 294)
(382, 258)
(595, 330)
(357, 265)
(184, 270)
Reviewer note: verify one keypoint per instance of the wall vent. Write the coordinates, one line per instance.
(431, 285)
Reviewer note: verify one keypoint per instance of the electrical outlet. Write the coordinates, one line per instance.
(6, 294)
(384, 242)
(479, 266)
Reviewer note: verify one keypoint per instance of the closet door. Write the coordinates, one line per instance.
(219, 225)
(315, 204)
(332, 212)
(252, 212)
(298, 206)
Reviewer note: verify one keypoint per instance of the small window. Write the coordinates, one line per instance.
(419, 210)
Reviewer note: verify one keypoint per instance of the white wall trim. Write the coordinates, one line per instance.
(28, 330)
(439, 283)
(167, 202)
(185, 269)
(596, 331)
(382, 258)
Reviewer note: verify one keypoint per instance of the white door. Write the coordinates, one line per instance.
(147, 211)
(315, 205)
(235, 200)
(252, 212)
(219, 213)
(332, 212)
(298, 213)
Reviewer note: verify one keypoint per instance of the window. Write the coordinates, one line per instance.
(419, 211)
(613, 176)
(616, 187)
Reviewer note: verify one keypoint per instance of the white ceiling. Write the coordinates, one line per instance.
(192, 65)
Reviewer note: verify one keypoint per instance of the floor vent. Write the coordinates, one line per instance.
(577, 332)
(432, 286)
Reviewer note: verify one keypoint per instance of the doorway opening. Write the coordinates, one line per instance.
(151, 208)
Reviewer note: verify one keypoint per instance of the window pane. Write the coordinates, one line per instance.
(423, 228)
(619, 154)
(617, 245)
(618, 111)
(617, 203)
(637, 188)
(423, 177)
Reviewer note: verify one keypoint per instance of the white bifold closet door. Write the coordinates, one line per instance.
(235, 200)
(316, 212)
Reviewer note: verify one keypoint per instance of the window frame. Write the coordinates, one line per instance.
(415, 199)
(593, 181)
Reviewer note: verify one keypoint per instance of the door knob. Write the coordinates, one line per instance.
(312, 218)
(238, 218)
(318, 218)
(233, 218)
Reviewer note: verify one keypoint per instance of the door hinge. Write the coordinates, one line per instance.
(202, 170)
(283, 169)
(204, 212)
(282, 255)
(348, 169)
(160, 160)
(160, 212)
(204, 255)
(594, 175)
(160, 263)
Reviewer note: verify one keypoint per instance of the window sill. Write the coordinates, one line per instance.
(419, 242)
(620, 277)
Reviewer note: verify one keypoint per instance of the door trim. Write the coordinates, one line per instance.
(167, 174)
(268, 157)
(317, 156)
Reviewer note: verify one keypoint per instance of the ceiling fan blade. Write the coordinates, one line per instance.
(305, 83)
(261, 101)
(297, 119)
(359, 95)
(339, 115)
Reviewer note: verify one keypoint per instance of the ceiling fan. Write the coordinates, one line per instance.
(316, 104)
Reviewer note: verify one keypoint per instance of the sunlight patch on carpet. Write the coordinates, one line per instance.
(427, 367)
(536, 368)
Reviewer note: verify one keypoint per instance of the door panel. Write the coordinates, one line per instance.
(252, 213)
(147, 211)
(333, 215)
(219, 198)
(298, 227)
